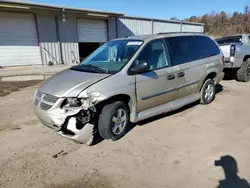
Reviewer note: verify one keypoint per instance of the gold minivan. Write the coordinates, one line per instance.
(128, 80)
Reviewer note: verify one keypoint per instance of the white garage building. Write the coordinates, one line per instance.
(36, 34)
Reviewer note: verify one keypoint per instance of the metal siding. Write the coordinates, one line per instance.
(202, 28)
(67, 49)
(68, 38)
(50, 46)
(129, 27)
(159, 27)
(112, 28)
(91, 30)
(191, 28)
(18, 40)
(53, 53)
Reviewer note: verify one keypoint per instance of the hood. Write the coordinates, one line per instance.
(69, 83)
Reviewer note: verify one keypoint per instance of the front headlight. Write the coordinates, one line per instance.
(72, 102)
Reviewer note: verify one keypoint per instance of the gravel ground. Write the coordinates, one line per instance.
(32, 70)
(170, 151)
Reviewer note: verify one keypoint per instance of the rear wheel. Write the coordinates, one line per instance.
(207, 92)
(243, 74)
(113, 120)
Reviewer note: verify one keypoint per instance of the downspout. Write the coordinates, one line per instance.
(116, 26)
(152, 26)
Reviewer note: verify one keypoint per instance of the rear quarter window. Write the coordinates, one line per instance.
(183, 49)
(207, 46)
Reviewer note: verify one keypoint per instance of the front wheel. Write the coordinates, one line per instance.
(207, 92)
(113, 120)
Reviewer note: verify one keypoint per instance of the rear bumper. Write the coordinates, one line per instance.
(233, 62)
(228, 65)
(219, 77)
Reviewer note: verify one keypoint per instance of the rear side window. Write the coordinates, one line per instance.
(183, 49)
(207, 47)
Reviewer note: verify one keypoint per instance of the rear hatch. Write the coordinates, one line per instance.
(226, 50)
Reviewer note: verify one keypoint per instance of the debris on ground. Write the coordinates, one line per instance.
(62, 153)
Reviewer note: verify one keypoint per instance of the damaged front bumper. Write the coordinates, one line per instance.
(64, 121)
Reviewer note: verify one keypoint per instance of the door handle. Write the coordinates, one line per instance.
(171, 77)
(180, 74)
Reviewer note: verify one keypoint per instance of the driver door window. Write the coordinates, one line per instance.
(152, 87)
(155, 55)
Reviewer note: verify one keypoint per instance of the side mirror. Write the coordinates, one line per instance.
(142, 67)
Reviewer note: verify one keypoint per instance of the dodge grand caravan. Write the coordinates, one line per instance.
(129, 80)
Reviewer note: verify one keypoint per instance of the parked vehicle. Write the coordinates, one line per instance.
(236, 50)
(129, 80)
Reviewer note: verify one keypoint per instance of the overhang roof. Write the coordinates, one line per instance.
(27, 5)
(30, 5)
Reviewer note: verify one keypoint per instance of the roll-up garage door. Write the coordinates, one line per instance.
(18, 40)
(90, 30)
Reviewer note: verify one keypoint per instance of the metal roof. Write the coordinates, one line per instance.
(72, 9)
(48, 6)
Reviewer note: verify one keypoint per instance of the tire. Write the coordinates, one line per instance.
(243, 74)
(207, 95)
(106, 123)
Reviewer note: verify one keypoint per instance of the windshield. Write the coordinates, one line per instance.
(111, 57)
(227, 40)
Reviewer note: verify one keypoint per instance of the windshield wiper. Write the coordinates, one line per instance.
(96, 67)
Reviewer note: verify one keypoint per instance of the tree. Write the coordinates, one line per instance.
(221, 24)
(174, 18)
(246, 9)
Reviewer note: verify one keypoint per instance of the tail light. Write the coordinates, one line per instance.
(232, 50)
(223, 59)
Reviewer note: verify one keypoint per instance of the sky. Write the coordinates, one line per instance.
(161, 9)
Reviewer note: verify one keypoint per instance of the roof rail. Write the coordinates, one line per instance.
(162, 33)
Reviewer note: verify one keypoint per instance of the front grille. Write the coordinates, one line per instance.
(36, 101)
(50, 98)
(39, 94)
(45, 106)
(44, 101)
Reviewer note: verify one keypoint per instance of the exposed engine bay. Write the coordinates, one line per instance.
(74, 118)
(81, 125)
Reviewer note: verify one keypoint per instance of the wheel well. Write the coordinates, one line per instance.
(211, 75)
(246, 58)
(121, 97)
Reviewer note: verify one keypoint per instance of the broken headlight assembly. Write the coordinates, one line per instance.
(78, 103)
(72, 102)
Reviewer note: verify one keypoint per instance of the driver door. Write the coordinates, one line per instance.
(156, 86)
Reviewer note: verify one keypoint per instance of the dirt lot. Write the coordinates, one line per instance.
(171, 151)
